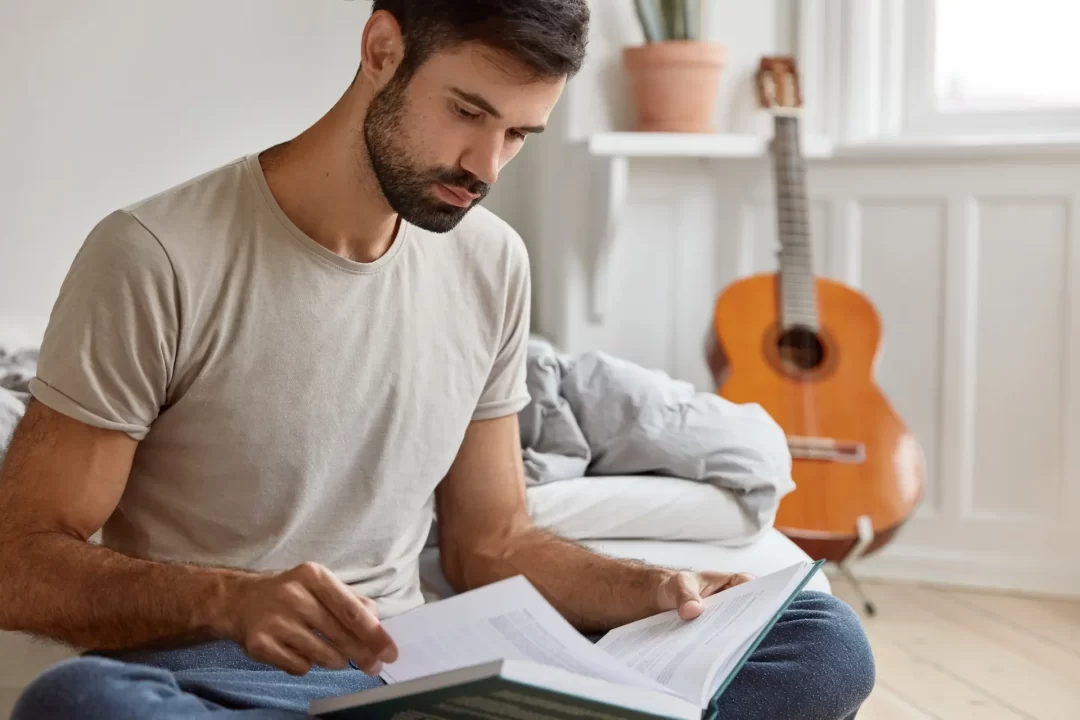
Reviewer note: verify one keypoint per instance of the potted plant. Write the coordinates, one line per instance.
(675, 74)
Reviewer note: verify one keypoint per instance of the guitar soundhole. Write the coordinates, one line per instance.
(801, 349)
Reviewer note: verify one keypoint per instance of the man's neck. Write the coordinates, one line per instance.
(316, 180)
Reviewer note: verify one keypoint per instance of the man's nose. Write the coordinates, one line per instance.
(483, 160)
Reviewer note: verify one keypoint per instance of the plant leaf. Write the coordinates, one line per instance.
(679, 19)
(651, 22)
(694, 12)
(669, 10)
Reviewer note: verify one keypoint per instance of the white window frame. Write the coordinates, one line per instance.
(867, 68)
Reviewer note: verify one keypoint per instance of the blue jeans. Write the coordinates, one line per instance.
(816, 663)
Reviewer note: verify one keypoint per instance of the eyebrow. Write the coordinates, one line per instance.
(474, 99)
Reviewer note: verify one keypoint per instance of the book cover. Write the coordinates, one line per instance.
(511, 691)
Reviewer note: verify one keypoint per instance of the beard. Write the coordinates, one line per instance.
(404, 180)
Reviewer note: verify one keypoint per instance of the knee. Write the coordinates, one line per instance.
(80, 687)
(841, 670)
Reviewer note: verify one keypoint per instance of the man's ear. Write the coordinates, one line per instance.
(382, 49)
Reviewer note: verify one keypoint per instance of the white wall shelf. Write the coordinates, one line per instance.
(695, 145)
(612, 153)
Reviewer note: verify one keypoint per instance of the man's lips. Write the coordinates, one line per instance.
(455, 195)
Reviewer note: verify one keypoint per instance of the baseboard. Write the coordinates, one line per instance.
(972, 569)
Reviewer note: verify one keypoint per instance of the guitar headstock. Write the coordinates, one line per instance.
(778, 85)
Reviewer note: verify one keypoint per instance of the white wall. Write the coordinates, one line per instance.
(110, 101)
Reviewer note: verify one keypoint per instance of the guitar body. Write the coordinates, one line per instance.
(858, 460)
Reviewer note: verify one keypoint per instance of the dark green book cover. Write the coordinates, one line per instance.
(493, 698)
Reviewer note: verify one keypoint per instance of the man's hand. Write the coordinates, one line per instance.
(684, 591)
(304, 617)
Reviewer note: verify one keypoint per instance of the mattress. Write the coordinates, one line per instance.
(770, 552)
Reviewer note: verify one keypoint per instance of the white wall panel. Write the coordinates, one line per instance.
(1019, 440)
(902, 244)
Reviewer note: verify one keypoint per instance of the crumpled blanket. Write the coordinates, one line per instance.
(16, 370)
(594, 414)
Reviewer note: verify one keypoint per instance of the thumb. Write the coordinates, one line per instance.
(687, 597)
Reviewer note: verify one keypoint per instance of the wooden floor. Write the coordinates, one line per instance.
(947, 653)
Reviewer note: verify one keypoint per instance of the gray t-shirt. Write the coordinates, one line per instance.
(291, 405)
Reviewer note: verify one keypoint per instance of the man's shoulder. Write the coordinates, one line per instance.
(208, 178)
(491, 237)
(170, 232)
(199, 193)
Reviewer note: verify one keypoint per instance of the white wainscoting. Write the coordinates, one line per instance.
(975, 269)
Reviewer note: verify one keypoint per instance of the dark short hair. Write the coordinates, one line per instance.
(547, 36)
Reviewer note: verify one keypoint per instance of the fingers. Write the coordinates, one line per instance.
(358, 622)
(320, 619)
(264, 648)
(689, 589)
(306, 643)
(714, 582)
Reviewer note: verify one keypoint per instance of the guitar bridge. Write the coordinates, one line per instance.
(826, 449)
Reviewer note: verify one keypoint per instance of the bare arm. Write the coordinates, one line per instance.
(59, 484)
(486, 534)
(61, 481)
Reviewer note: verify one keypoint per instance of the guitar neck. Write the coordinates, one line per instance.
(798, 301)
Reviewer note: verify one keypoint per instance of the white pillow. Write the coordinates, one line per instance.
(640, 507)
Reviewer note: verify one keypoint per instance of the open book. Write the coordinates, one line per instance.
(503, 652)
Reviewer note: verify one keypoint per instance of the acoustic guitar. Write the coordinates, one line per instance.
(805, 349)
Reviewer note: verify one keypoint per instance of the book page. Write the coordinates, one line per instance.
(685, 655)
(508, 620)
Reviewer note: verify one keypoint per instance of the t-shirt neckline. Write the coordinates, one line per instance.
(352, 266)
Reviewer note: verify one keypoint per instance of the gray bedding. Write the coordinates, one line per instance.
(16, 369)
(594, 414)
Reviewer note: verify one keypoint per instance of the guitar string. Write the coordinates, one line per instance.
(797, 278)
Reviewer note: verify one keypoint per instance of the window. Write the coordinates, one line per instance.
(1006, 55)
(882, 70)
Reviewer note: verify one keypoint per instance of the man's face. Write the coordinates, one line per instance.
(438, 141)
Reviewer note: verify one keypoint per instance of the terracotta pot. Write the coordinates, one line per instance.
(675, 84)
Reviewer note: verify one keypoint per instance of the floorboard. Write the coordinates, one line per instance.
(949, 653)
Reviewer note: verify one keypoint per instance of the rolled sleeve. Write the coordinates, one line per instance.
(506, 392)
(108, 353)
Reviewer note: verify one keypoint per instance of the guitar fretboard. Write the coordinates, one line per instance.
(798, 301)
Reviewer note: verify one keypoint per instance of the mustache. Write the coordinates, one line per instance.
(463, 179)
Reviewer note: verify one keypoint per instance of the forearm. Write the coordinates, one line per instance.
(594, 592)
(61, 587)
